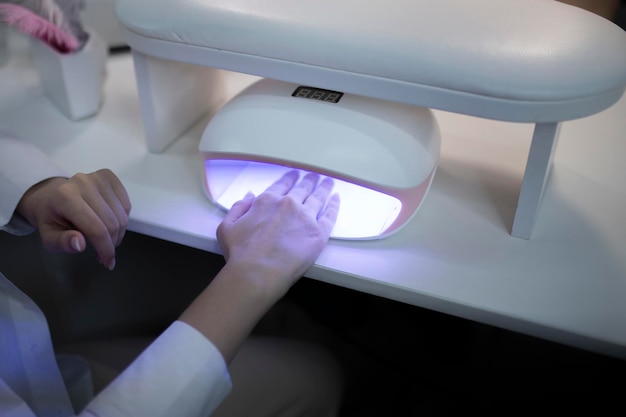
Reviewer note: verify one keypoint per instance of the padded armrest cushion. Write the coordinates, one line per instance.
(525, 50)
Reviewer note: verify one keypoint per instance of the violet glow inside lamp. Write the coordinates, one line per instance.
(381, 155)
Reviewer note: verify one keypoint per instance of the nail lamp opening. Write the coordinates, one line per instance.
(381, 155)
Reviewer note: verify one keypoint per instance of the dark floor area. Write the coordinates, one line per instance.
(402, 360)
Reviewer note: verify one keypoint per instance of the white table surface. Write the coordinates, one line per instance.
(566, 284)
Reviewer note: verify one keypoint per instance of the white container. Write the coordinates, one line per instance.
(72, 82)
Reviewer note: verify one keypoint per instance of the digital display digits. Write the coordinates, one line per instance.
(320, 94)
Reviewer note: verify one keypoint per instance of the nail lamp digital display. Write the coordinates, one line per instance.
(381, 155)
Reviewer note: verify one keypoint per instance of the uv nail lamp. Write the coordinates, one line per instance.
(381, 155)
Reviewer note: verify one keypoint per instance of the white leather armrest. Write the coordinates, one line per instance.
(560, 61)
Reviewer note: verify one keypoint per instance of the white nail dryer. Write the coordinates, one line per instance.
(381, 155)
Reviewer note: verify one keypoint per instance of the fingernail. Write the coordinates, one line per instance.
(248, 195)
(74, 242)
(111, 265)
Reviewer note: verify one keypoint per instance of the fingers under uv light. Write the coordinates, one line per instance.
(328, 216)
(303, 189)
(284, 183)
(316, 200)
(240, 208)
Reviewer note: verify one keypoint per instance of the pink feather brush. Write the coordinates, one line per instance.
(36, 26)
(49, 10)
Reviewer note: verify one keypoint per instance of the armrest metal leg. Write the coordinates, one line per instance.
(536, 176)
(173, 96)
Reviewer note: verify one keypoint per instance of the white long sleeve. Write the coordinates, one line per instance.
(29, 376)
(180, 374)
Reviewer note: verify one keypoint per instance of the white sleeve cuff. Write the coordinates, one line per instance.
(180, 374)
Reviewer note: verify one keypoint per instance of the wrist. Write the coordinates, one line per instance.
(256, 283)
(34, 198)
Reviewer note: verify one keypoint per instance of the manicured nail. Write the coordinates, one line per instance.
(75, 243)
(111, 265)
